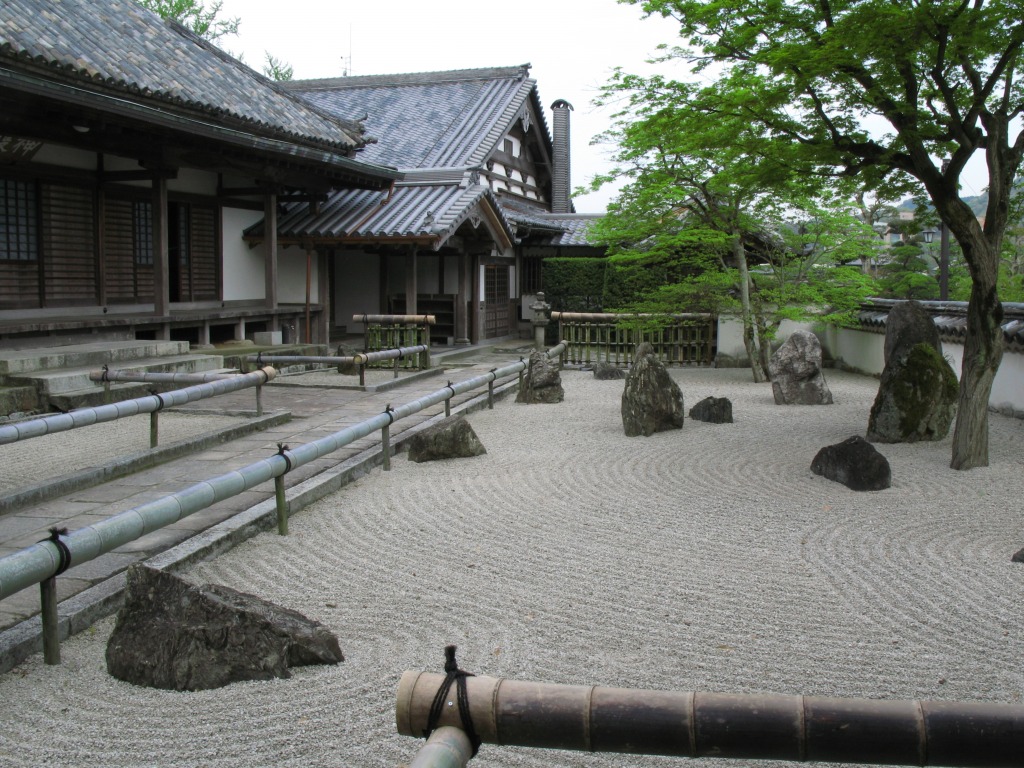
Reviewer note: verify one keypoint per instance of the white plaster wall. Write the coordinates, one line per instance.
(356, 291)
(865, 352)
(243, 266)
(291, 276)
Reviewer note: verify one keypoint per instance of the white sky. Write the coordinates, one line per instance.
(572, 45)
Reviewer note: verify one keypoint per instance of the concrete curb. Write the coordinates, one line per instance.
(81, 611)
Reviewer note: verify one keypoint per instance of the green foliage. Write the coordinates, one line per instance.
(194, 15)
(906, 275)
(276, 69)
(574, 285)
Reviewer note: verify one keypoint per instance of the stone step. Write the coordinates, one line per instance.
(18, 400)
(68, 380)
(119, 390)
(21, 361)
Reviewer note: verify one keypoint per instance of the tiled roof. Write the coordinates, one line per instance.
(545, 229)
(427, 119)
(424, 211)
(950, 318)
(117, 47)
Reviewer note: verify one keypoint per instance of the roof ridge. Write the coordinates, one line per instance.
(410, 78)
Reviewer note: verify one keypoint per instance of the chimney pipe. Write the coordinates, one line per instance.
(560, 176)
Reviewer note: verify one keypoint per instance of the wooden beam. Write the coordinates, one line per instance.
(270, 251)
(161, 261)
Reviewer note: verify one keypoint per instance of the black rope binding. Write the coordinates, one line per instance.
(259, 359)
(453, 675)
(62, 548)
(281, 448)
(106, 373)
(391, 414)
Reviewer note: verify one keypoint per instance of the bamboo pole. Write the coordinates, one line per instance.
(447, 747)
(747, 727)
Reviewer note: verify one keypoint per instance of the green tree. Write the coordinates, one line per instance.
(276, 69)
(705, 193)
(880, 89)
(194, 15)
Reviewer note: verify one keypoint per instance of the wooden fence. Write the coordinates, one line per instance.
(384, 332)
(684, 339)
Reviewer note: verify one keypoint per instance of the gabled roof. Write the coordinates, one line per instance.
(117, 48)
(425, 210)
(430, 119)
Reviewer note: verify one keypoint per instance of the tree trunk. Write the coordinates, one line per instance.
(983, 351)
(751, 341)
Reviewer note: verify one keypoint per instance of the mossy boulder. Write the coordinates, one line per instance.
(916, 398)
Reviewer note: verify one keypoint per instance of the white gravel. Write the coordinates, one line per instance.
(709, 558)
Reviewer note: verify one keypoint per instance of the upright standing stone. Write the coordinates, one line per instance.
(796, 372)
(651, 401)
(916, 400)
(917, 392)
(908, 325)
(542, 382)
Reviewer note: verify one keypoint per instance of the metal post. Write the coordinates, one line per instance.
(447, 747)
(154, 429)
(48, 616)
(943, 262)
(282, 506)
(385, 439)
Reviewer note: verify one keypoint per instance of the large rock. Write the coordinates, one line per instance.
(855, 463)
(908, 325)
(173, 635)
(651, 401)
(714, 410)
(608, 372)
(542, 382)
(796, 374)
(451, 439)
(916, 400)
(347, 369)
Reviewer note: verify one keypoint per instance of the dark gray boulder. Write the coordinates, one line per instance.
(542, 382)
(451, 439)
(1018, 557)
(347, 369)
(607, 372)
(173, 635)
(855, 463)
(714, 410)
(908, 325)
(651, 400)
(916, 400)
(796, 372)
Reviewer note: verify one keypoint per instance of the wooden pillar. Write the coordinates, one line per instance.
(161, 263)
(462, 299)
(411, 288)
(476, 301)
(270, 254)
(323, 296)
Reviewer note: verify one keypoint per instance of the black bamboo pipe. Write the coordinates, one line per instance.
(752, 727)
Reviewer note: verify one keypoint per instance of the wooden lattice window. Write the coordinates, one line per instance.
(19, 220)
(142, 232)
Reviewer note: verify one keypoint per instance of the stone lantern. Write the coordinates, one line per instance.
(539, 319)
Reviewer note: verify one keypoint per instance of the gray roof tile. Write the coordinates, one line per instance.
(427, 119)
(116, 46)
